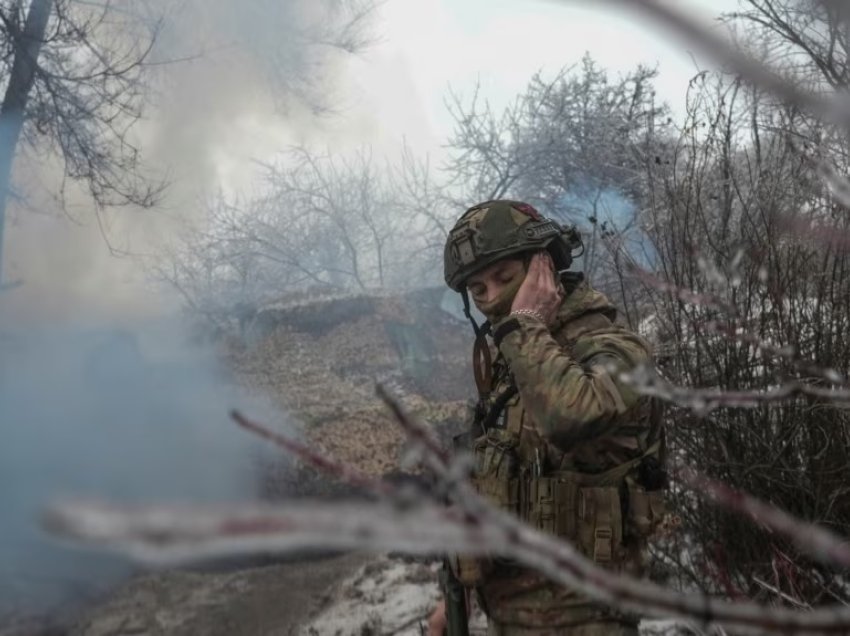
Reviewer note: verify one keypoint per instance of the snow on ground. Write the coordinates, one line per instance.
(385, 596)
(395, 596)
(671, 627)
(344, 595)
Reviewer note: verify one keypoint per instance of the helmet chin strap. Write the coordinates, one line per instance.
(481, 330)
(482, 364)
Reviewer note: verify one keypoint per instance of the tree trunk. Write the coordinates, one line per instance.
(27, 45)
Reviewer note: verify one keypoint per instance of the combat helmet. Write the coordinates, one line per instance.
(493, 230)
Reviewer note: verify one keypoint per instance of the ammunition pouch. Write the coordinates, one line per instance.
(590, 517)
(600, 524)
(496, 469)
(551, 505)
(495, 477)
(647, 510)
(602, 515)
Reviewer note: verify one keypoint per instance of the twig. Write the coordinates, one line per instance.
(820, 543)
(341, 471)
(781, 594)
(703, 401)
(168, 535)
(687, 296)
(435, 456)
(834, 108)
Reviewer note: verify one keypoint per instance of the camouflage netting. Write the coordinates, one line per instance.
(321, 360)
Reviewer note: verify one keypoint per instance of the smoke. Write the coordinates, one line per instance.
(127, 414)
(588, 198)
(231, 83)
(596, 209)
(99, 396)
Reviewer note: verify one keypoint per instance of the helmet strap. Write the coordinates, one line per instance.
(482, 362)
(467, 311)
(482, 366)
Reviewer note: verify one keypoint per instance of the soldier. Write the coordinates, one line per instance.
(559, 439)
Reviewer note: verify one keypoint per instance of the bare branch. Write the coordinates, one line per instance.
(835, 109)
(818, 542)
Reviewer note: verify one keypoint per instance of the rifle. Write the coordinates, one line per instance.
(454, 593)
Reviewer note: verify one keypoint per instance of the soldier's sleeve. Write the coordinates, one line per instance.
(576, 395)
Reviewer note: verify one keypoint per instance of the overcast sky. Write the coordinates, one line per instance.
(213, 120)
(396, 89)
(433, 44)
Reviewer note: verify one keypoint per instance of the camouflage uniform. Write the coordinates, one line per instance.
(568, 447)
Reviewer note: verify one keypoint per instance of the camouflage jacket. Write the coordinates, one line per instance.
(569, 413)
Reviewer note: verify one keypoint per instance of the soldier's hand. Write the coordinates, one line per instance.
(437, 621)
(540, 292)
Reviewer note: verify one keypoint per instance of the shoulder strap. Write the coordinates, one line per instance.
(482, 365)
(610, 477)
(498, 406)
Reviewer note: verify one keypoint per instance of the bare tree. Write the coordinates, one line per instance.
(293, 45)
(749, 306)
(345, 210)
(325, 223)
(571, 144)
(74, 86)
(807, 39)
(76, 77)
(217, 272)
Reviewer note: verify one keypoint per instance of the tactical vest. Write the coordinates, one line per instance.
(604, 496)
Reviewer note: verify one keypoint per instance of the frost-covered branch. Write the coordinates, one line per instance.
(822, 544)
(704, 400)
(423, 526)
(834, 108)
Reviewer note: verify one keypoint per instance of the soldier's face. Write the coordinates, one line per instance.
(490, 284)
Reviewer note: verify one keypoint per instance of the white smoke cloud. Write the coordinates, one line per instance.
(127, 414)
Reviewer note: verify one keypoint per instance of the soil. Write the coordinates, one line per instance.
(273, 599)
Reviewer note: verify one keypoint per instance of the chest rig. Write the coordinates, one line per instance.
(605, 502)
